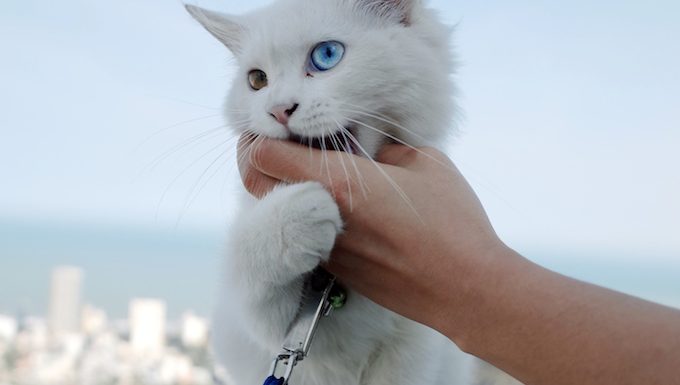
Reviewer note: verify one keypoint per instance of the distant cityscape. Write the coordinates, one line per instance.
(77, 344)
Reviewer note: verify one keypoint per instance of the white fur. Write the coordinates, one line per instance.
(394, 77)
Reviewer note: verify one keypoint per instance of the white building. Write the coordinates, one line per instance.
(8, 328)
(147, 326)
(33, 336)
(64, 306)
(194, 331)
(93, 320)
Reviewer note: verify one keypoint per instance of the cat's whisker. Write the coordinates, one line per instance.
(345, 144)
(236, 125)
(186, 169)
(400, 141)
(363, 111)
(382, 117)
(186, 145)
(389, 179)
(333, 138)
(189, 143)
(325, 161)
(194, 193)
(363, 108)
(259, 139)
(243, 148)
(202, 180)
(177, 100)
(311, 153)
(246, 149)
(387, 121)
(164, 129)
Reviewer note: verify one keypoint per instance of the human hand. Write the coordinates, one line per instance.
(427, 251)
(416, 236)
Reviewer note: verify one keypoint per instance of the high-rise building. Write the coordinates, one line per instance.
(93, 321)
(64, 307)
(147, 326)
(8, 328)
(194, 331)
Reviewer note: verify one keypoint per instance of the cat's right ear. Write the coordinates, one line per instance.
(224, 27)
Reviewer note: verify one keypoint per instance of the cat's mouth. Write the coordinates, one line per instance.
(338, 141)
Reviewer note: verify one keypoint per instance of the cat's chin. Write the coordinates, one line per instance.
(344, 141)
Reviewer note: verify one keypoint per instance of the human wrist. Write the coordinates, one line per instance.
(495, 269)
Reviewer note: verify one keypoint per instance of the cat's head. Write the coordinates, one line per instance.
(326, 71)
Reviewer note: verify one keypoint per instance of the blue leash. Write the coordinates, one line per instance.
(271, 380)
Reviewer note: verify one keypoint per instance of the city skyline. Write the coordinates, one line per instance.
(109, 255)
(78, 345)
(67, 313)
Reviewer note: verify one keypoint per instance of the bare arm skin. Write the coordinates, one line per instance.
(446, 268)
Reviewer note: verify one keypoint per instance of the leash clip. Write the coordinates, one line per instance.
(287, 359)
(320, 296)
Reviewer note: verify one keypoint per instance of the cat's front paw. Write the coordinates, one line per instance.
(291, 230)
(309, 222)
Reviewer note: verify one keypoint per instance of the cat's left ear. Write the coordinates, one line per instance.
(224, 27)
(400, 11)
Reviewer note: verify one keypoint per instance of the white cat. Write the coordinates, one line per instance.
(355, 74)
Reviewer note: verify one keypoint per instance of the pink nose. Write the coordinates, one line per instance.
(283, 113)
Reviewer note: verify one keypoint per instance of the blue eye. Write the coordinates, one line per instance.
(327, 55)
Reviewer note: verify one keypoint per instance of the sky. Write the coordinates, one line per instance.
(110, 120)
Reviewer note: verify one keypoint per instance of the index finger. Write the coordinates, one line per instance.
(294, 163)
(257, 183)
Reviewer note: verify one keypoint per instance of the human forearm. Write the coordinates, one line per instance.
(545, 328)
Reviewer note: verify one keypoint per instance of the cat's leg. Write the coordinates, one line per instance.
(274, 244)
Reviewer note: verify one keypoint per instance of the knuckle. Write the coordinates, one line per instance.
(251, 179)
(410, 154)
(342, 191)
(431, 151)
(435, 154)
(258, 154)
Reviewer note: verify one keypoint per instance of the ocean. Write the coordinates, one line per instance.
(182, 266)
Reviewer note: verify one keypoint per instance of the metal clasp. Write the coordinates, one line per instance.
(302, 331)
(289, 360)
(319, 300)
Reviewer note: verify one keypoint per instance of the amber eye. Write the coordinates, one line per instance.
(257, 79)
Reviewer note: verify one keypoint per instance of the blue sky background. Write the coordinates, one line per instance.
(570, 136)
